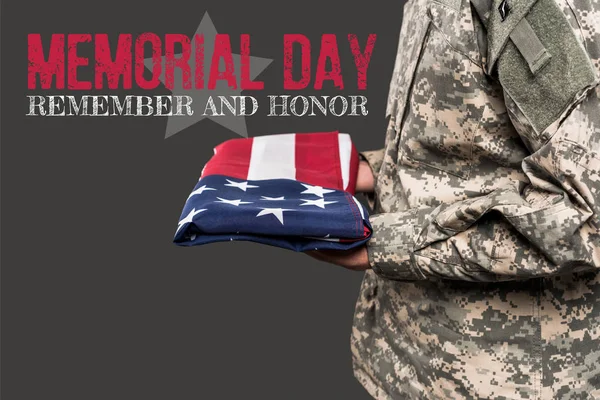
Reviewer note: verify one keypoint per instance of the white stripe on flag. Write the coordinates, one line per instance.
(273, 157)
(345, 147)
(325, 239)
(360, 207)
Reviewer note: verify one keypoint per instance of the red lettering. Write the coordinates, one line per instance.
(199, 73)
(247, 84)
(329, 50)
(121, 66)
(288, 54)
(74, 61)
(128, 62)
(156, 61)
(222, 50)
(362, 59)
(179, 62)
(55, 66)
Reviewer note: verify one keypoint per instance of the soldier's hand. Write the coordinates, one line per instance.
(364, 179)
(355, 259)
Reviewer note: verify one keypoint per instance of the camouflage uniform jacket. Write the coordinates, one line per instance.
(485, 256)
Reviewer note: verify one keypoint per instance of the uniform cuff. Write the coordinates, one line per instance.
(374, 158)
(390, 249)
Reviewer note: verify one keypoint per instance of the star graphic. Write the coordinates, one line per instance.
(277, 212)
(272, 198)
(232, 202)
(188, 218)
(176, 124)
(316, 190)
(200, 190)
(319, 202)
(239, 185)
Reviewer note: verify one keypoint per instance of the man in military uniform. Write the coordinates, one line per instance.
(483, 273)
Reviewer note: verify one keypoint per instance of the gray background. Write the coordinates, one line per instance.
(97, 303)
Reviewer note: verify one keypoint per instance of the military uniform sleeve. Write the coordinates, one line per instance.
(374, 158)
(549, 225)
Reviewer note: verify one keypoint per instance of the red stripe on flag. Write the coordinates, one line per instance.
(232, 158)
(354, 161)
(318, 159)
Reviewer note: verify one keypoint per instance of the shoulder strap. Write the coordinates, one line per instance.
(522, 35)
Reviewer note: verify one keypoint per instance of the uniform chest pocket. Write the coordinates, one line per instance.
(446, 100)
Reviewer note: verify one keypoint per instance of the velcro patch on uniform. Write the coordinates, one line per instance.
(544, 95)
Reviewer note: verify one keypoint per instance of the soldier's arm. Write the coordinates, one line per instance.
(551, 226)
(374, 158)
(365, 181)
(368, 169)
(548, 226)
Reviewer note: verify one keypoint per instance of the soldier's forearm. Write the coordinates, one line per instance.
(365, 181)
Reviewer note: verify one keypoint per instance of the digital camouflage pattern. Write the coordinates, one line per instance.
(485, 256)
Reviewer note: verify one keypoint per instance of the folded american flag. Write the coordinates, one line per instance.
(290, 190)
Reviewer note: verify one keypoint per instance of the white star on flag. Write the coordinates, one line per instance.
(188, 218)
(319, 202)
(239, 185)
(272, 198)
(277, 212)
(316, 190)
(200, 190)
(232, 202)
